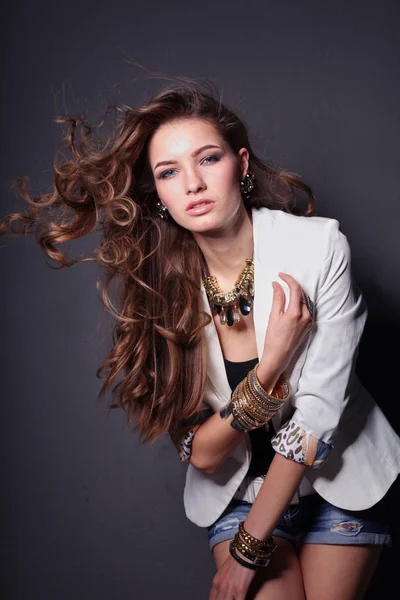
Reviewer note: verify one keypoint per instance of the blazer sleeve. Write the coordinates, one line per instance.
(325, 381)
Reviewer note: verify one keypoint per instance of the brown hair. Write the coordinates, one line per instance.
(157, 364)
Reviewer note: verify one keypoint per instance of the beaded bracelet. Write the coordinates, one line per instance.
(258, 552)
(251, 405)
(267, 546)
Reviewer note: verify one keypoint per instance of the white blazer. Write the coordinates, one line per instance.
(327, 397)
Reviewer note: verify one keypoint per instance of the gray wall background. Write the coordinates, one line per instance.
(88, 512)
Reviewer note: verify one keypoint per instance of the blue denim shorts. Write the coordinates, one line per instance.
(311, 521)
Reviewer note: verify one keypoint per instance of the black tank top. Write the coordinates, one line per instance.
(262, 451)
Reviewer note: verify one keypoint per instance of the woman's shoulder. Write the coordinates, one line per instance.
(315, 232)
(296, 223)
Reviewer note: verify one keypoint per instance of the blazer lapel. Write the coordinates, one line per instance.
(215, 360)
(263, 275)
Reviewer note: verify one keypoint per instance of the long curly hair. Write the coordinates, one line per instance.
(157, 365)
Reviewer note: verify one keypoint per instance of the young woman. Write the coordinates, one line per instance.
(237, 330)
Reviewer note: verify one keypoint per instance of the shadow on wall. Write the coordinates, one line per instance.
(376, 367)
(378, 356)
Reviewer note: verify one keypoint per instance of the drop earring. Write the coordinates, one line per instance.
(247, 185)
(163, 211)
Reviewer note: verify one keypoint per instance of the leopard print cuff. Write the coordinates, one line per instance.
(182, 436)
(299, 445)
(185, 445)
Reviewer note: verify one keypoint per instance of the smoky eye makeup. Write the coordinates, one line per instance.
(217, 156)
(208, 159)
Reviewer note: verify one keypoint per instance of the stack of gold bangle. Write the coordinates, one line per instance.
(252, 405)
(257, 552)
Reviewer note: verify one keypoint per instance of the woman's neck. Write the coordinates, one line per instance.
(225, 254)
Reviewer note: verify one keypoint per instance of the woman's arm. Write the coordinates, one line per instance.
(282, 480)
(216, 439)
(213, 442)
(286, 331)
(207, 444)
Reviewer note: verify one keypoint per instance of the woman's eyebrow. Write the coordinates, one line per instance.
(195, 153)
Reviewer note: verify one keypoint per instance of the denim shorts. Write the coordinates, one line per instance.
(311, 521)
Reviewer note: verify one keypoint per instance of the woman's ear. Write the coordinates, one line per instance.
(243, 161)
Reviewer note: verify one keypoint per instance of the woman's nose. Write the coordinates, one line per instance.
(194, 182)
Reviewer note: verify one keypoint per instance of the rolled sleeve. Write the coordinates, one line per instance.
(327, 376)
(182, 436)
(295, 443)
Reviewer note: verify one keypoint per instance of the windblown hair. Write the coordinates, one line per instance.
(157, 365)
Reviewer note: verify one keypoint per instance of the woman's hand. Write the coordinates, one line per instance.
(286, 330)
(232, 581)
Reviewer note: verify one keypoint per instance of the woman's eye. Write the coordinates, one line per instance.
(164, 174)
(212, 157)
(167, 174)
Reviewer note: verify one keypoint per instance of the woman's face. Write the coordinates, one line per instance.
(196, 175)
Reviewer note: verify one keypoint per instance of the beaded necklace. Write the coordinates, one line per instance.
(238, 301)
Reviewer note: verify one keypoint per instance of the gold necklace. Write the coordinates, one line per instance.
(239, 300)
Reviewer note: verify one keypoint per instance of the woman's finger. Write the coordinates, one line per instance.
(296, 293)
(278, 300)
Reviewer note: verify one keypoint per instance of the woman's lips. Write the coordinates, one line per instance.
(201, 208)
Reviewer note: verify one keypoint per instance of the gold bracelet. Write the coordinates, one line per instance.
(268, 400)
(255, 558)
(250, 402)
(267, 546)
(243, 547)
(262, 391)
(252, 406)
(248, 414)
(258, 402)
(240, 416)
(260, 414)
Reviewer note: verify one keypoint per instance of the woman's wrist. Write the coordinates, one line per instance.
(268, 374)
(282, 480)
(249, 551)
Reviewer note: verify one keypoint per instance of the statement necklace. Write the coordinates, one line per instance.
(239, 300)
